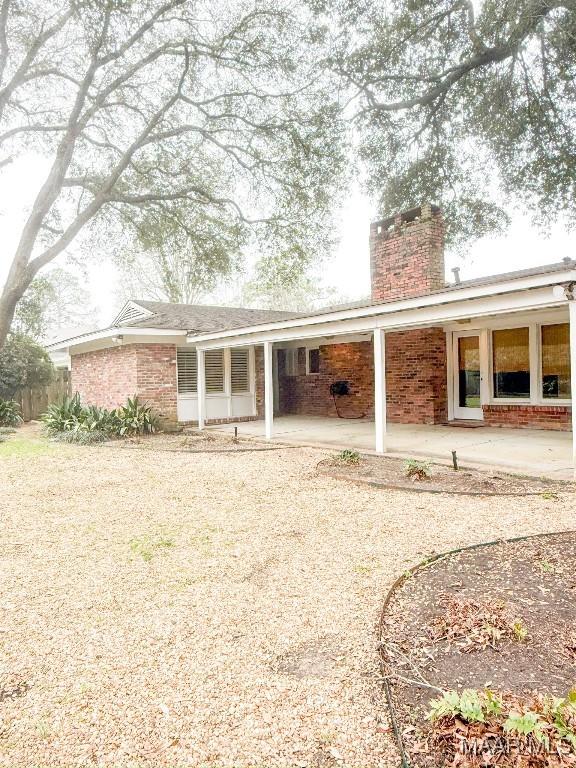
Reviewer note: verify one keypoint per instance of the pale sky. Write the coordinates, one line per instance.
(347, 272)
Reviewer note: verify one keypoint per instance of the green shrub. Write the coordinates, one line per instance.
(7, 430)
(10, 415)
(134, 418)
(64, 416)
(70, 416)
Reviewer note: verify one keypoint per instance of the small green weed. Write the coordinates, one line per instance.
(519, 630)
(348, 456)
(471, 705)
(549, 496)
(146, 547)
(527, 724)
(547, 567)
(417, 470)
(546, 719)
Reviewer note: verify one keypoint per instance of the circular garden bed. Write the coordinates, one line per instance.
(479, 656)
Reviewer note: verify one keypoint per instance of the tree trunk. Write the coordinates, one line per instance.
(8, 301)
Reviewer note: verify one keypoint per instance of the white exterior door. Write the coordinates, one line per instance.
(467, 376)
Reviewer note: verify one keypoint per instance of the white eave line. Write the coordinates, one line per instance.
(393, 307)
(109, 332)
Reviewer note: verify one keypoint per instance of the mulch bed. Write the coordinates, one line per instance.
(195, 441)
(388, 472)
(434, 635)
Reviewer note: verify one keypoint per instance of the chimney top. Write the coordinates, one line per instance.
(424, 211)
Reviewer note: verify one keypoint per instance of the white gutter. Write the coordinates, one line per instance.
(422, 302)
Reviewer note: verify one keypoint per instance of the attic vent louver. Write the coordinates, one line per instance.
(129, 313)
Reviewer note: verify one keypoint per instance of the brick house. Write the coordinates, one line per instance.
(499, 349)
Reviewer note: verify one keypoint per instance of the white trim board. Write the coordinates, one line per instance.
(432, 300)
(417, 317)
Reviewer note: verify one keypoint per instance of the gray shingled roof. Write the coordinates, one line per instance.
(207, 319)
(201, 318)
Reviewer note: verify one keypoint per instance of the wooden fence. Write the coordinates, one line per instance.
(35, 400)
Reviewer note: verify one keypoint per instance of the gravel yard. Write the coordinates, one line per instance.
(165, 609)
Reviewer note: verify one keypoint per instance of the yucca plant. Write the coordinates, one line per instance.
(64, 416)
(136, 418)
(10, 415)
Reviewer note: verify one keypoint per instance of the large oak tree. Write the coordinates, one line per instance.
(469, 103)
(213, 106)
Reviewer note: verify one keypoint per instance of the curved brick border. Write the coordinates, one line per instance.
(559, 487)
(391, 592)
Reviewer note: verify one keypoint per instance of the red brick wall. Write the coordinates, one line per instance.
(310, 394)
(556, 417)
(407, 254)
(105, 377)
(416, 376)
(415, 379)
(156, 378)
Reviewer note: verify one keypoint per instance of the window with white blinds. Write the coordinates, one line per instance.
(187, 371)
(214, 367)
(239, 370)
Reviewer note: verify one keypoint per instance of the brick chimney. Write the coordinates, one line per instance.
(407, 254)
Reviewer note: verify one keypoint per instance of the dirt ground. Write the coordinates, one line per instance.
(390, 472)
(168, 609)
(427, 638)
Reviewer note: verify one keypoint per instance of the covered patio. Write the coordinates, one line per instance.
(543, 453)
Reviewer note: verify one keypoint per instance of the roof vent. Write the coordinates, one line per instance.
(456, 273)
(130, 313)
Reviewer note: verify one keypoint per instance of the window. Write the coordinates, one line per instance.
(511, 363)
(187, 366)
(240, 370)
(290, 362)
(556, 361)
(214, 367)
(313, 361)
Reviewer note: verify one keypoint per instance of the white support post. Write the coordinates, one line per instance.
(201, 387)
(380, 389)
(572, 312)
(268, 390)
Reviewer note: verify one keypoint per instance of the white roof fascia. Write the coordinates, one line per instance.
(410, 317)
(110, 332)
(420, 302)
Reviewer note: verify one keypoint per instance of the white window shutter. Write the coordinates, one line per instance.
(214, 366)
(240, 369)
(187, 363)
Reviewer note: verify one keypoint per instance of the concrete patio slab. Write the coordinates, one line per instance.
(541, 453)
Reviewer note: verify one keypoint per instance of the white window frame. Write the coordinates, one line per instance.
(550, 400)
(511, 400)
(535, 359)
(308, 371)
